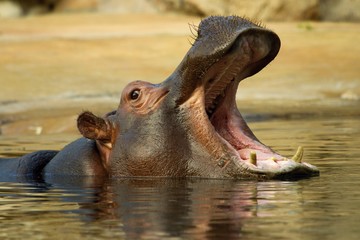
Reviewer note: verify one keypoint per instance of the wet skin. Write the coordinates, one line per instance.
(186, 126)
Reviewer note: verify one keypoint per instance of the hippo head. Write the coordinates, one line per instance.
(189, 124)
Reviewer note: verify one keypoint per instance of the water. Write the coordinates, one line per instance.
(325, 207)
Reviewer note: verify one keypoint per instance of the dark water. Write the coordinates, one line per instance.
(325, 207)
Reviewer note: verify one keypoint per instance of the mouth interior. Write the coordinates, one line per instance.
(221, 83)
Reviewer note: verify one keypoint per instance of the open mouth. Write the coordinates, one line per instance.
(247, 55)
(225, 53)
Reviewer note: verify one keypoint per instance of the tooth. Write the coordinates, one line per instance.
(108, 145)
(253, 157)
(298, 155)
(273, 159)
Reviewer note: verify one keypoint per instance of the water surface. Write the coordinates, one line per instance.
(325, 207)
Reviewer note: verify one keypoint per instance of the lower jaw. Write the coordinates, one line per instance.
(235, 134)
(232, 129)
(257, 162)
(247, 153)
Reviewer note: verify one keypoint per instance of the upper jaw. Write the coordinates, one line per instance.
(218, 40)
(251, 51)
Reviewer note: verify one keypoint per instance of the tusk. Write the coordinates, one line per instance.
(298, 155)
(253, 157)
(108, 145)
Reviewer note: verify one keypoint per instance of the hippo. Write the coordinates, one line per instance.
(187, 126)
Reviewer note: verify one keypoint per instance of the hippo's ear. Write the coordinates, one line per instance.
(96, 128)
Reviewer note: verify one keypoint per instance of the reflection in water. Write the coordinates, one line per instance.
(324, 207)
(143, 208)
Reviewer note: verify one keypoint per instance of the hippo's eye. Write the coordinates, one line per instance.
(135, 94)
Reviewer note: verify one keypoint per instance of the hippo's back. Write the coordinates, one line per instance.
(79, 158)
(30, 165)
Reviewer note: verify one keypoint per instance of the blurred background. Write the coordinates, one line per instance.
(59, 57)
(278, 10)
